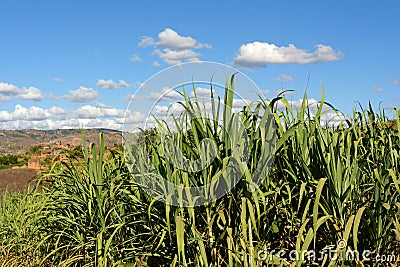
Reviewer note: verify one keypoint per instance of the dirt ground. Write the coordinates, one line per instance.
(16, 180)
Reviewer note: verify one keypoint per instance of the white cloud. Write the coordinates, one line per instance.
(377, 88)
(115, 118)
(173, 48)
(122, 83)
(107, 84)
(284, 78)
(82, 94)
(146, 41)
(4, 98)
(258, 54)
(333, 119)
(9, 91)
(171, 39)
(156, 64)
(139, 84)
(395, 82)
(33, 113)
(30, 114)
(98, 111)
(57, 79)
(57, 111)
(204, 92)
(101, 110)
(99, 116)
(127, 98)
(172, 57)
(201, 46)
(131, 118)
(50, 124)
(31, 93)
(174, 109)
(101, 105)
(166, 94)
(5, 116)
(135, 58)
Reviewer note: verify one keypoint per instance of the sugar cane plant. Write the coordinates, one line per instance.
(330, 187)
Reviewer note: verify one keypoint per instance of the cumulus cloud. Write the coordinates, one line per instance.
(170, 38)
(96, 116)
(259, 54)
(31, 93)
(9, 91)
(165, 94)
(5, 116)
(173, 57)
(173, 48)
(377, 89)
(146, 41)
(333, 119)
(284, 78)
(131, 117)
(204, 93)
(107, 84)
(156, 64)
(51, 124)
(4, 98)
(82, 94)
(110, 84)
(98, 111)
(88, 116)
(135, 58)
(174, 109)
(395, 82)
(101, 110)
(33, 113)
(127, 98)
(122, 83)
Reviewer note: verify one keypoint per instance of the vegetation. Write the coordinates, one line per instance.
(9, 161)
(35, 150)
(328, 183)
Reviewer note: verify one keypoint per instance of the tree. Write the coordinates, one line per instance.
(35, 150)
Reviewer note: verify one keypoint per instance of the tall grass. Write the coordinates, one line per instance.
(22, 228)
(327, 183)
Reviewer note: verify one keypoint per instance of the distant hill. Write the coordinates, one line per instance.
(19, 141)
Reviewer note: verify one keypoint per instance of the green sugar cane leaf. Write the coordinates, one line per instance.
(252, 217)
(110, 239)
(287, 134)
(180, 236)
(320, 186)
(348, 228)
(357, 221)
(300, 234)
(395, 181)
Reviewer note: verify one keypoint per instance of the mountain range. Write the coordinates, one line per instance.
(19, 141)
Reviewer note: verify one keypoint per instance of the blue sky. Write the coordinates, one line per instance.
(72, 63)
